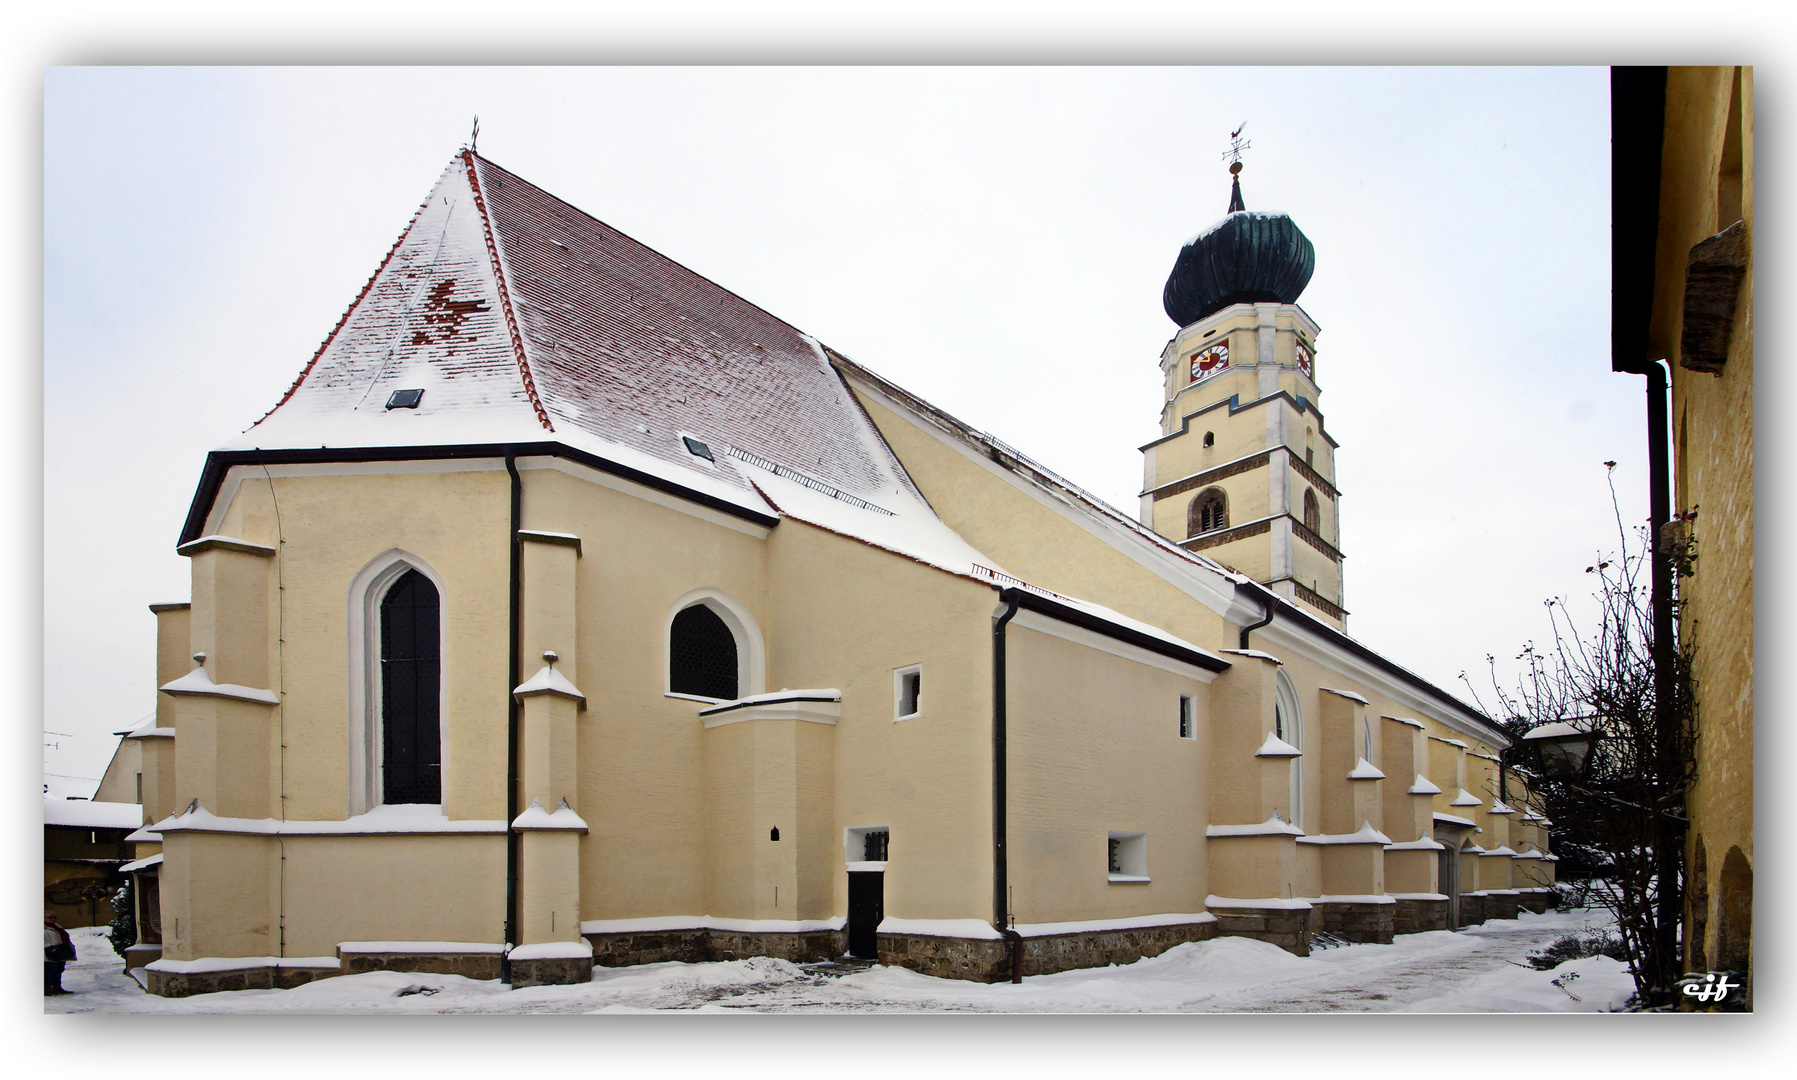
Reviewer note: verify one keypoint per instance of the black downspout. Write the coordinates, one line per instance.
(1251, 627)
(1000, 867)
(511, 725)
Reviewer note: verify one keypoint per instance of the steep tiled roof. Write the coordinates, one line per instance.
(525, 319)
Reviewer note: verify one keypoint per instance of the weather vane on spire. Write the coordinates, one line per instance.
(1233, 155)
(1237, 144)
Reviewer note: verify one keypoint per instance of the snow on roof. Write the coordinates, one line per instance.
(1452, 820)
(1366, 834)
(548, 680)
(1256, 653)
(1558, 728)
(1465, 798)
(1349, 694)
(524, 319)
(198, 682)
(60, 786)
(141, 864)
(1365, 770)
(1407, 720)
(85, 814)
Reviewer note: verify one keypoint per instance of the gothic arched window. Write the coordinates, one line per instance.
(1209, 512)
(1313, 514)
(411, 751)
(702, 655)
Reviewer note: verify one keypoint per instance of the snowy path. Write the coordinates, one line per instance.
(1471, 971)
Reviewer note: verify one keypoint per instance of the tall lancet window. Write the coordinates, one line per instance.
(411, 751)
(1209, 512)
(1313, 514)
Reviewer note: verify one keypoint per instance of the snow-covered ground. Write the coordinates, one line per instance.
(1481, 969)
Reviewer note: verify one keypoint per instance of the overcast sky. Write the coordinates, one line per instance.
(992, 239)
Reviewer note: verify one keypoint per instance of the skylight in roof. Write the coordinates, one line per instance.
(697, 448)
(405, 399)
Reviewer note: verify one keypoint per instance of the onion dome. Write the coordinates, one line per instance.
(1251, 256)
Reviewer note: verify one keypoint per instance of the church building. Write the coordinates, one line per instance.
(570, 609)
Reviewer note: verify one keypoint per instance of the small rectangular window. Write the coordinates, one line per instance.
(874, 845)
(1188, 718)
(1128, 857)
(697, 448)
(907, 693)
(865, 847)
(405, 399)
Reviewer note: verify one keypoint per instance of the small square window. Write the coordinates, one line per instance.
(1188, 717)
(907, 693)
(405, 399)
(697, 448)
(1128, 857)
(865, 847)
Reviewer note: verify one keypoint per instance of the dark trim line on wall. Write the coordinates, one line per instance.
(1241, 465)
(1303, 405)
(1000, 857)
(1042, 605)
(219, 463)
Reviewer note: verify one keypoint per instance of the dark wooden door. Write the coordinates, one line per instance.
(867, 906)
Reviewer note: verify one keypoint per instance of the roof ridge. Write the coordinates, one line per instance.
(490, 163)
(505, 296)
(343, 320)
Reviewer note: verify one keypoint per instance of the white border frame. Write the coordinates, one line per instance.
(751, 650)
(1132, 854)
(364, 726)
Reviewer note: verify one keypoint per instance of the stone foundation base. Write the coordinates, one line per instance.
(1501, 905)
(1418, 916)
(1284, 927)
(975, 959)
(188, 983)
(1535, 900)
(1064, 952)
(470, 965)
(1472, 909)
(551, 971)
(700, 946)
(1367, 923)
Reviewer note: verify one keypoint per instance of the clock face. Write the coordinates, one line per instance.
(1306, 363)
(1210, 360)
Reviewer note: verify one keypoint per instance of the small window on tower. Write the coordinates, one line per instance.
(907, 690)
(1209, 512)
(1210, 439)
(1188, 728)
(1313, 514)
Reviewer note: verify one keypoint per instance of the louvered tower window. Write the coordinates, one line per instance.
(1209, 512)
(411, 755)
(701, 655)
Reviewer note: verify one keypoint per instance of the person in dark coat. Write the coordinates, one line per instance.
(58, 951)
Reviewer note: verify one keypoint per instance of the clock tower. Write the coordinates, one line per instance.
(1244, 470)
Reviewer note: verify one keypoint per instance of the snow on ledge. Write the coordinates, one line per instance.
(1270, 903)
(197, 682)
(1417, 724)
(1277, 747)
(1498, 807)
(141, 864)
(547, 680)
(1349, 694)
(398, 818)
(535, 818)
(1356, 898)
(1256, 653)
(1501, 849)
(1365, 770)
(1465, 798)
(144, 836)
(240, 963)
(1418, 896)
(426, 948)
(1099, 926)
(152, 733)
(949, 928)
(663, 923)
(1452, 820)
(553, 950)
(1273, 826)
(1422, 786)
(1423, 843)
(1366, 834)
